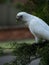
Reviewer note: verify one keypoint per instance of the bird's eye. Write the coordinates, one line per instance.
(21, 16)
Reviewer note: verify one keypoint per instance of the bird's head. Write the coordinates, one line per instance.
(23, 16)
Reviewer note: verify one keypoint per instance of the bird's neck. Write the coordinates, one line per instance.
(29, 18)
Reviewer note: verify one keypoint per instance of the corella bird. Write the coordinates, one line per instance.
(37, 26)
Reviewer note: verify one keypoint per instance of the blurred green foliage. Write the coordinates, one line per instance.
(1, 51)
(2, 1)
(5, 1)
(19, 5)
(45, 56)
(23, 53)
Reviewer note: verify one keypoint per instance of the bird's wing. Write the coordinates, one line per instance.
(39, 30)
(43, 23)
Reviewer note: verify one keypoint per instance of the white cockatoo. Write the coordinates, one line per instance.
(37, 26)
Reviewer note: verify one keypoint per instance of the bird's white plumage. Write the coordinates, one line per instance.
(37, 26)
